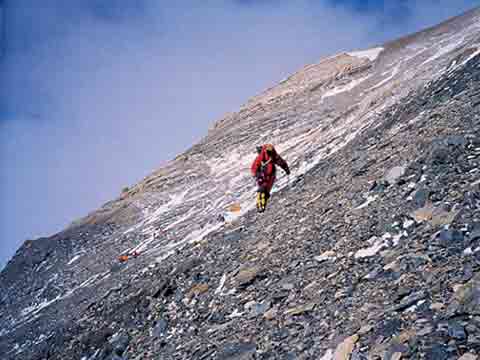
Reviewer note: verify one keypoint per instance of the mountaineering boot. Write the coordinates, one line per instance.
(261, 201)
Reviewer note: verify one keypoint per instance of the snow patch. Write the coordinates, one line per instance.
(347, 87)
(314, 199)
(395, 71)
(180, 219)
(413, 308)
(444, 49)
(328, 355)
(37, 307)
(235, 314)
(220, 286)
(396, 238)
(175, 199)
(371, 54)
(89, 281)
(407, 223)
(75, 258)
(198, 235)
(326, 256)
(377, 245)
(456, 66)
(369, 200)
(140, 248)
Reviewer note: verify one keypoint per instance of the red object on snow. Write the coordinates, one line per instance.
(263, 167)
(126, 257)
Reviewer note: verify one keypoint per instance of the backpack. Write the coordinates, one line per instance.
(262, 169)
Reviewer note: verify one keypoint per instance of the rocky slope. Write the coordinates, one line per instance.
(369, 250)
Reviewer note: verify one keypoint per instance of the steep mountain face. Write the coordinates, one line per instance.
(369, 250)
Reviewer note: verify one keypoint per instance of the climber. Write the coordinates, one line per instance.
(263, 170)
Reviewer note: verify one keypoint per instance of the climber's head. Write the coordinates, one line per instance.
(269, 149)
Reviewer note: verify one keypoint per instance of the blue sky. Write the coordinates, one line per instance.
(96, 94)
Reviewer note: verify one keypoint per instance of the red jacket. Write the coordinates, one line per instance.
(265, 163)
